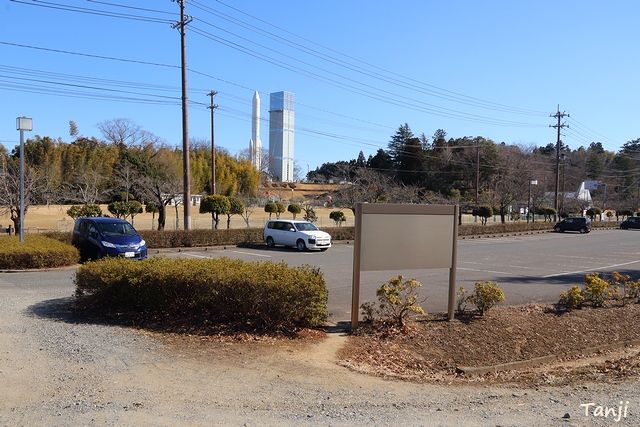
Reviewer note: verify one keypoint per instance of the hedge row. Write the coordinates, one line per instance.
(36, 252)
(261, 295)
(241, 236)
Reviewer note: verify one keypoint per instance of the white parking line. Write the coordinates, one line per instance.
(591, 269)
(195, 256)
(250, 253)
(482, 270)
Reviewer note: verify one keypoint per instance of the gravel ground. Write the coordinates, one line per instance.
(56, 370)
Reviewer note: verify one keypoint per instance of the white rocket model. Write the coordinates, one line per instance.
(255, 145)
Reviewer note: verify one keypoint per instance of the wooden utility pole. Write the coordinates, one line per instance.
(212, 107)
(477, 169)
(182, 25)
(558, 115)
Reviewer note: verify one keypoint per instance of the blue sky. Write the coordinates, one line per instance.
(358, 69)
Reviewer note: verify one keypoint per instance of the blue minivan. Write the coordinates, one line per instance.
(102, 236)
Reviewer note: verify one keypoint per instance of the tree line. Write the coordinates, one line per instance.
(129, 160)
(469, 171)
(473, 171)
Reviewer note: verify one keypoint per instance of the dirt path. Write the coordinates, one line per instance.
(56, 371)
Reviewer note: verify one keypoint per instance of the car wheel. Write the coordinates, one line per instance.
(300, 245)
(270, 242)
(323, 249)
(97, 255)
(558, 229)
(583, 230)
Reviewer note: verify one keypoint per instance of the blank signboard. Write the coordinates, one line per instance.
(398, 237)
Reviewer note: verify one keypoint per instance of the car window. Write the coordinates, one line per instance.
(116, 229)
(306, 226)
(92, 231)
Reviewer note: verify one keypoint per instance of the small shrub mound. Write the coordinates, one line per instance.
(599, 291)
(397, 300)
(36, 252)
(485, 296)
(262, 297)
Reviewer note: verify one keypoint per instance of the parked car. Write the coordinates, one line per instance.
(99, 237)
(581, 224)
(631, 222)
(300, 234)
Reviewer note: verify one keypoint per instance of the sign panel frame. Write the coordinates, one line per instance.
(402, 236)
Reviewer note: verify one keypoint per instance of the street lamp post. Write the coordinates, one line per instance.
(532, 182)
(22, 124)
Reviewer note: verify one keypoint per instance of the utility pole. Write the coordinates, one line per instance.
(477, 168)
(558, 115)
(212, 107)
(182, 25)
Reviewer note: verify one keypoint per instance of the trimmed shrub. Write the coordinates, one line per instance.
(596, 289)
(461, 300)
(36, 252)
(261, 296)
(294, 209)
(485, 296)
(397, 299)
(573, 299)
(338, 217)
(484, 212)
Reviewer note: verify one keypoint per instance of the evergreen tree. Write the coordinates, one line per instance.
(398, 143)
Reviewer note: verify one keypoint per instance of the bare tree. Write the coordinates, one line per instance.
(125, 133)
(86, 187)
(158, 175)
(10, 188)
(369, 186)
(508, 184)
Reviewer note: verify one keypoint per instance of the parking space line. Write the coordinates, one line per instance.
(590, 270)
(250, 253)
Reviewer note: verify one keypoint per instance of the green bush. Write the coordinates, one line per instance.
(462, 298)
(631, 288)
(338, 217)
(486, 295)
(294, 209)
(484, 212)
(573, 299)
(36, 252)
(262, 296)
(397, 299)
(597, 290)
(76, 211)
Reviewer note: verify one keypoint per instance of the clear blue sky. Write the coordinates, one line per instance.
(358, 69)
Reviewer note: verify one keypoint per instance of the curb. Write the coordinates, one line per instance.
(481, 370)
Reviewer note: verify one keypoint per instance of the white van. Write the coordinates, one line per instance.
(300, 234)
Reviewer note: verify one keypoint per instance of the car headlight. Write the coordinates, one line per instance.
(142, 243)
(108, 244)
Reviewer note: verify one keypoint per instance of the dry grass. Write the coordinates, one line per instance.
(54, 217)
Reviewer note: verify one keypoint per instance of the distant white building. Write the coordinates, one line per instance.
(176, 199)
(281, 124)
(583, 194)
(255, 144)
